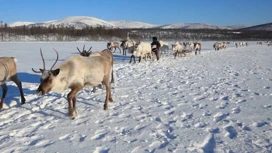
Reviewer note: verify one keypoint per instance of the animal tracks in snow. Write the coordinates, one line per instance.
(213, 102)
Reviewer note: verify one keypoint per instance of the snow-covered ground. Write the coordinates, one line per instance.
(214, 102)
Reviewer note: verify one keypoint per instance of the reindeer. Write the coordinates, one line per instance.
(84, 52)
(177, 48)
(127, 46)
(10, 72)
(197, 47)
(75, 73)
(107, 53)
(143, 50)
(114, 45)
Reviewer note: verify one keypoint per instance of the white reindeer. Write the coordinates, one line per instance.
(177, 48)
(106, 53)
(9, 71)
(141, 49)
(219, 45)
(75, 73)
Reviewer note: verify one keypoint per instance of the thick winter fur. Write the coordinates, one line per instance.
(177, 48)
(75, 73)
(142, 49)
(9, 71)
(108, 54)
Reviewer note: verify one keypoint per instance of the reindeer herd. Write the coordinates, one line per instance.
(92, 69)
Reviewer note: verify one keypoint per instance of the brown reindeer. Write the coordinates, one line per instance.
(114, 45)
(75, 73)
(9, 70)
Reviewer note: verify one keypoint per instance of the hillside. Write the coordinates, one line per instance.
(262, 27)
(80, 22)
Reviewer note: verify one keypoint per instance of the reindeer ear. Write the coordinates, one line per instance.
(55, 72)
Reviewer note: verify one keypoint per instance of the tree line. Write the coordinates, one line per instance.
(65, 33)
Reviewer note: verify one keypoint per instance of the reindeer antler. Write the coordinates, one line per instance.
(41, 70)
(89, 51)
(79, 50)
(56, 59)
(84, 52)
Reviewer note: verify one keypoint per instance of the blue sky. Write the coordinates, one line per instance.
(217, 12)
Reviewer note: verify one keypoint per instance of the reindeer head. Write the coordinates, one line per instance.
(109, 45)
(47, 77)
(84, 52)
(123, 43)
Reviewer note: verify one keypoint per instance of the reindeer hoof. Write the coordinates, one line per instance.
(105, 107)
(23, 101)
(73, 115)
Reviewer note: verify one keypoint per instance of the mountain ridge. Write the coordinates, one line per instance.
(80, 22)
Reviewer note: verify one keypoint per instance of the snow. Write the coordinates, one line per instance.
(218, 101)
(16, 24)
(80, 22)
(189, 26)
(131, 24)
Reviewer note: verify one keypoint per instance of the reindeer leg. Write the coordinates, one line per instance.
(112, 77)
(19, 85)
(94, 89)
(4, 89)
(108, 92)
(175, 55)
(131, 58)
(72, 101)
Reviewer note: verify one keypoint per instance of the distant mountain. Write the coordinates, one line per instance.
(80, 22)
(235, 27)
(17, 24)
(131, 24)
(189, 26)
(266, 27)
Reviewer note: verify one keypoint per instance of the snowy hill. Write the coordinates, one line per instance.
(267, 27)
(80, 22)
(189, 26)
(17, 24)
(131, 24)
